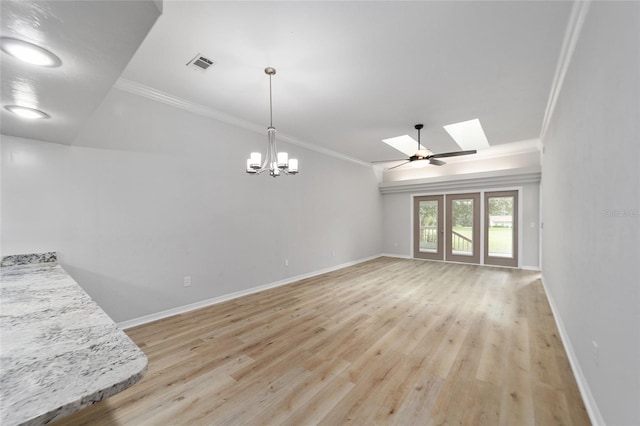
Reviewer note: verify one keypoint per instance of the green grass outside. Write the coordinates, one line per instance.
(500, 239)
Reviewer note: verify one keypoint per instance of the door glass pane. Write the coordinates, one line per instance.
(462, 227)
(500, 226)
(428, 226)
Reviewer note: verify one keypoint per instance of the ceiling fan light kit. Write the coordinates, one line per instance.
(275, 162)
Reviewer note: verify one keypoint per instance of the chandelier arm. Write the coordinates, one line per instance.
(273, 152)
(271, 168)
(265, 162)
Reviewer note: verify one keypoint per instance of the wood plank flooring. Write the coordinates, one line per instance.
(389, 341)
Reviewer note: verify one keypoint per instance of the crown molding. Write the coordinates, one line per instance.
(572, 34)
(511, 149)
(195, 108)
(526, 146)
(498, 178)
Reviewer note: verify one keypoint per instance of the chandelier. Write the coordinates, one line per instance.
(274, 161)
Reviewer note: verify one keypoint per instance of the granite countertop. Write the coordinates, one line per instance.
(59, 351)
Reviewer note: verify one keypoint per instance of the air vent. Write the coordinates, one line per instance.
(200, 63)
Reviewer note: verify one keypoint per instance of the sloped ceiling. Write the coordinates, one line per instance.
(349, 74)
(94, 39)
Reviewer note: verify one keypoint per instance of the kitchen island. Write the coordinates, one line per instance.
(59, 351)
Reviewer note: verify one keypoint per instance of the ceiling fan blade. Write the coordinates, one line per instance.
(452, 154)
(401, 164)
(436, 162)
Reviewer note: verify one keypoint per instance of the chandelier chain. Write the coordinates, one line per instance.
(270, 103)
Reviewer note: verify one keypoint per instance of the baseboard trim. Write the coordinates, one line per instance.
(404, 256)
(530, 268)
(587, 397)
(215, 300)
(397, 256)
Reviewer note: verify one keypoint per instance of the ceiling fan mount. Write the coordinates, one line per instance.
(421, 154)
(426, 154)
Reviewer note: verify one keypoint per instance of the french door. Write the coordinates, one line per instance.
(428, 241)
(501, 228)
(447, 227)
(463, 228)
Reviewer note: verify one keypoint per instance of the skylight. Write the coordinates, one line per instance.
(468, 134)
(405, 144)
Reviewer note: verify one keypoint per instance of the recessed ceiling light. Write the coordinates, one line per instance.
(405, 144)
(468, 134)
(29, 52)
(26, 112)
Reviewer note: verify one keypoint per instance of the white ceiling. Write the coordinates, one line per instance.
(350, 74)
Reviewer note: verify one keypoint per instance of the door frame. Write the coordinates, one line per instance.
(415, 223)
(503, 261)
(475, 258)
(482, 191)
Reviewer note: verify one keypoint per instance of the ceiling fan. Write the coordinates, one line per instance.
(426, 154)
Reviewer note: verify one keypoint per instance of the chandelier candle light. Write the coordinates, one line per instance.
(276, 162)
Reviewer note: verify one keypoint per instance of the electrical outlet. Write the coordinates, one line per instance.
(286, 262)
(333, 253)
(596, 353)
(187, 281)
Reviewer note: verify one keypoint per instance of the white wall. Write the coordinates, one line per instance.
(591, 209)
(149, 194)
(32, 206)
(396, 224)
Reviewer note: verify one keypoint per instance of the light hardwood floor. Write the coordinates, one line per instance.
(389, 341)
